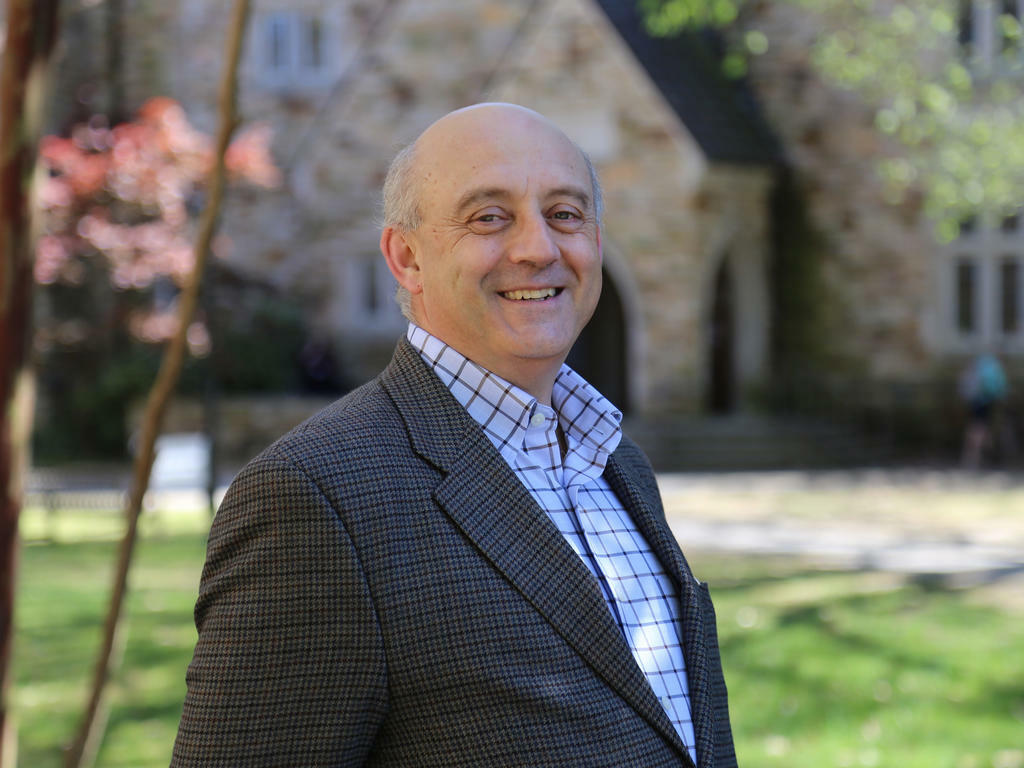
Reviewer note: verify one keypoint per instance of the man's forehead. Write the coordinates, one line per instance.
(541, 164)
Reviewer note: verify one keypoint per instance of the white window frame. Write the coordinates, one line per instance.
(294, 71)
(987, 246)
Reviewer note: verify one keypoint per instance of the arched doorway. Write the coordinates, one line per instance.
(599, 354)
(721, 392)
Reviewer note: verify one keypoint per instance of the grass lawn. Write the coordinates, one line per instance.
(824, 668)
(63, 591)
(865, 669)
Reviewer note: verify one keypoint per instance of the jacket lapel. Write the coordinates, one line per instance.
(642, 507)
(483, 497)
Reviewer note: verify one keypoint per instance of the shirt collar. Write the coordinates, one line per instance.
(590, 423)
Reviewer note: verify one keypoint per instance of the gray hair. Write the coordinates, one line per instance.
(400, 202)
(400, 209)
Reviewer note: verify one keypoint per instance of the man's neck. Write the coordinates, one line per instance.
(540, 384)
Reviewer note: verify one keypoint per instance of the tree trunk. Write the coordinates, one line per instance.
(31, 34)
(83, 749)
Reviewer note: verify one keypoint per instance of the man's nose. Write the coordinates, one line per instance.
(533, 241)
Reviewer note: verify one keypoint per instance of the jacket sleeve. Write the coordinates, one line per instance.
(289, 665)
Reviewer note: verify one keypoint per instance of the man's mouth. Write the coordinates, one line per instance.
(531, 295)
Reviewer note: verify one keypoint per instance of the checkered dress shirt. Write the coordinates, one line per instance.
(640, 595)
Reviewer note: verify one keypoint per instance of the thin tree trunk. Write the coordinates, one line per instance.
(83, 749)
(31, 34)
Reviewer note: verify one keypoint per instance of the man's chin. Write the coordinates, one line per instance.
(539, 353)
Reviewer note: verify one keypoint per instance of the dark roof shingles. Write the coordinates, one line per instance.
(721, 114)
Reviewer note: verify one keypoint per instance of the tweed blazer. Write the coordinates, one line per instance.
(380, 589)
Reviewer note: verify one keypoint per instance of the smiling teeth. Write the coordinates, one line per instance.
(543, 293)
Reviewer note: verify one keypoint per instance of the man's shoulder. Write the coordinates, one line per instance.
(362, 421)
(366, 420)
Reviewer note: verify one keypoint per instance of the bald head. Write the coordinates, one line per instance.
(450, 137)
(498, 248)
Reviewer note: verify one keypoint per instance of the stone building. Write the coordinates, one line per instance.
(688, 169)
(747, 267)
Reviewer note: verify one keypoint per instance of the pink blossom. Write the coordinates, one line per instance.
(121, 192)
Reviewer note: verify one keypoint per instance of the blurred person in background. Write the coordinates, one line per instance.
(983, 388)
(463, 562)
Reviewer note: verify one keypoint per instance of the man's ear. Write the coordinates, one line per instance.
(401, 255)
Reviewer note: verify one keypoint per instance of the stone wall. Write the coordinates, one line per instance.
(876, 271)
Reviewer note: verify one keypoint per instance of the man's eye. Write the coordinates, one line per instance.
(488, 216)
(566, 216)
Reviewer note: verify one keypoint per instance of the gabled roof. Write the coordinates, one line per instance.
(721, 114)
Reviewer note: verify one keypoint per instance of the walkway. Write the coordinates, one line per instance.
(924, 522)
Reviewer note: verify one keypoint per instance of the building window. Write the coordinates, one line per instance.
(1009, 284)
(990, 29)
(278, 39)
(292, 50)
(966, 287)
(313, 52)
(985, 286)
(369, 291)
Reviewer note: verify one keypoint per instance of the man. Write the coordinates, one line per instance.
(463, 562)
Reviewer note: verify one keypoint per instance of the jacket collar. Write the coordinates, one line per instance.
(525, 547)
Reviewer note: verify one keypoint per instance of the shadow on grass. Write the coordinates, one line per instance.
(817, 657)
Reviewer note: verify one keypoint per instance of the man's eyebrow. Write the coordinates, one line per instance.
(482, 194)
(479, 195)
(572, 191)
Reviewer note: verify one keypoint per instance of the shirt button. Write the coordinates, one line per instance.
(537, 419)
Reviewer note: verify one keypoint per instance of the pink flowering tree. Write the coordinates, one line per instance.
(116, 245)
